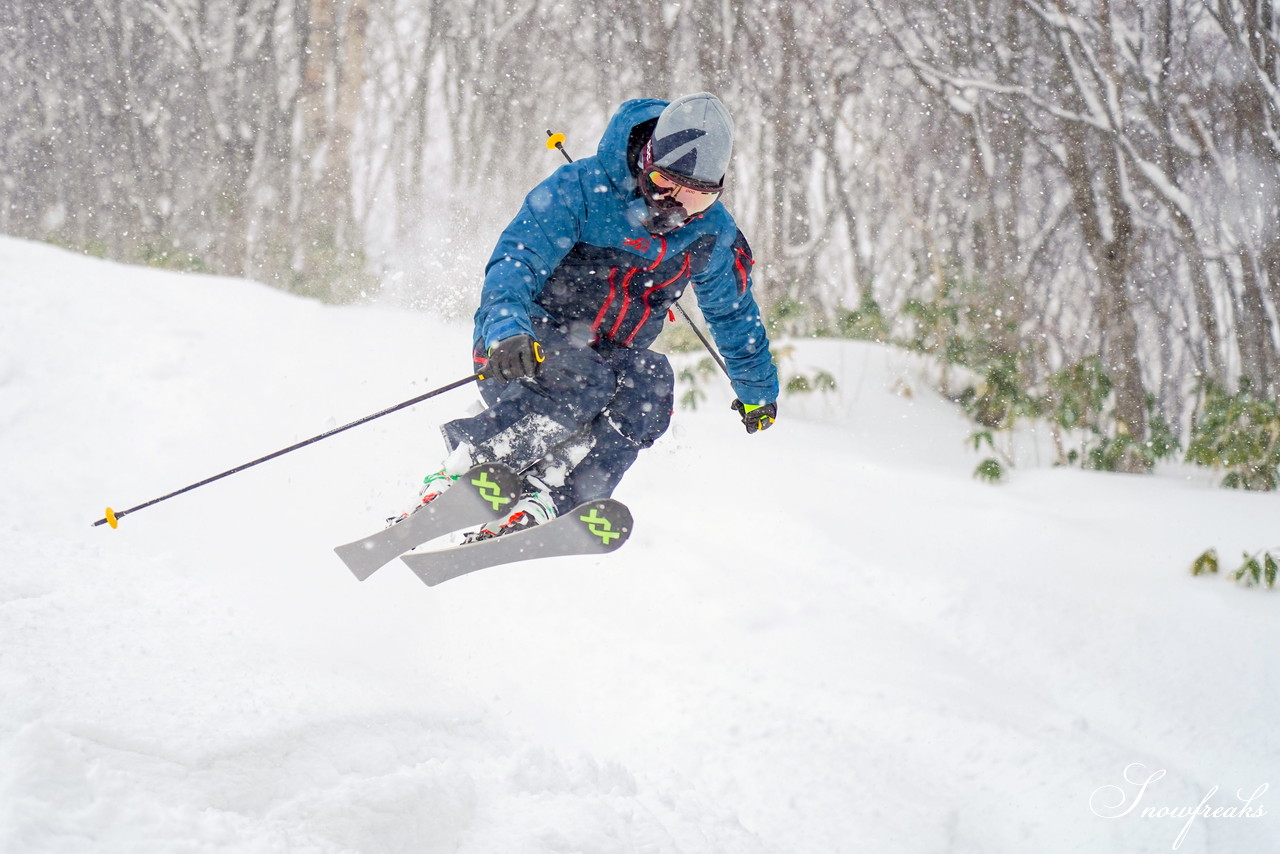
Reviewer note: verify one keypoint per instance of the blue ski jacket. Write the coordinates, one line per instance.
(577, 254)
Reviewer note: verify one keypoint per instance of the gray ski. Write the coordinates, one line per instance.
(479, 496)
(597, 527)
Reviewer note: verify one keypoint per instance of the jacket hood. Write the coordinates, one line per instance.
(612, 151)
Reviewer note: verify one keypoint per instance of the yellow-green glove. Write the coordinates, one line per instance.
(757, 416)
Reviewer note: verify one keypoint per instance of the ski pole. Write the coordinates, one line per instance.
(556, 141)
(113, 518)
(703, 339)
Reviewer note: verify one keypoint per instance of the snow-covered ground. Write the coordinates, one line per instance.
(825, 638)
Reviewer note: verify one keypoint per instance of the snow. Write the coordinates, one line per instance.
(825, 638)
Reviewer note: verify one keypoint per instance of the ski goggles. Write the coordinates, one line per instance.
(694, 201)
(693, 195)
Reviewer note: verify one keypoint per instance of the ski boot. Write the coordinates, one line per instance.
(434, 485)
(533, 508)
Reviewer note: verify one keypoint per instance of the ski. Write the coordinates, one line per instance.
(597, 527)
(479, 496)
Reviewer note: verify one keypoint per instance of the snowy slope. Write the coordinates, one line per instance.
(826, 638)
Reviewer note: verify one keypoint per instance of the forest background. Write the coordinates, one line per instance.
(1075, 207)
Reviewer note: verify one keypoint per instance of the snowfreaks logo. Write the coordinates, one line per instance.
(1120, 801)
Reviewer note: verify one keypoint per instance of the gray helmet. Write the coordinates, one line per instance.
(694, 138)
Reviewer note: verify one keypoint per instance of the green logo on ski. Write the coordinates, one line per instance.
(600, 526)
(490, 491)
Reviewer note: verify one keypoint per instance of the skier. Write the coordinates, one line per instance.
(577, 290)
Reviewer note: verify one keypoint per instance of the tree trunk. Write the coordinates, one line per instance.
(328, 259)
(1111, 254)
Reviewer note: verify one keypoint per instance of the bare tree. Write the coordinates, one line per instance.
(1114, 97)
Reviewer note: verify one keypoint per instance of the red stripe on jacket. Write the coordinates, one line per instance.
(684, 271)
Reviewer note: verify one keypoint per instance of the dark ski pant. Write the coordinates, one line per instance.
(580, 424)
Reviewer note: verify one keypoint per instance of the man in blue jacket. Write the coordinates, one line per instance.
(577, 290)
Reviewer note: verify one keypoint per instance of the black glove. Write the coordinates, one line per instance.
(513, 358)
(756, 417)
